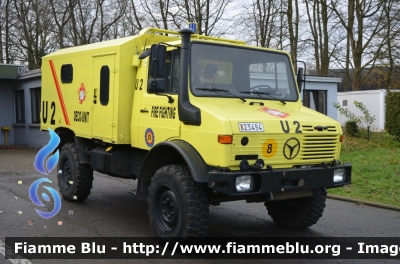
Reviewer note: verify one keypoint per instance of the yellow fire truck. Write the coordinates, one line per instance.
(197, 121)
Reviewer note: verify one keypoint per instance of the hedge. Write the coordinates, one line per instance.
(392, 113)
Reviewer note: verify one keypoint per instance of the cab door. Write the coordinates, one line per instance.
(103, 121)
(158, 118)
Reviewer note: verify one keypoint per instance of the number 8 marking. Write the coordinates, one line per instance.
(269, 148)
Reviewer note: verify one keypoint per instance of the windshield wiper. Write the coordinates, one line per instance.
(220, 90)
(264, 93)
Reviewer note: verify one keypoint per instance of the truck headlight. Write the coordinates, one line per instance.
(339, 175)
(244, 183)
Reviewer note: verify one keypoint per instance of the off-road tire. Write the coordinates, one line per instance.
(178, 206)
(298, 213)
(69, 169)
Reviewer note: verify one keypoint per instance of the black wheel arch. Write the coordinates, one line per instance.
(167, 153)
(66, 136)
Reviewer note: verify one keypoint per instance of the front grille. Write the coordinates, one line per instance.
(307, 128)
(332, 129)
(310, 128)
(317, 147)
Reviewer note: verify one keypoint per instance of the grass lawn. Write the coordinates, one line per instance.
(376, 168)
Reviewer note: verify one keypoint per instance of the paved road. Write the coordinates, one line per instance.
(112, 211)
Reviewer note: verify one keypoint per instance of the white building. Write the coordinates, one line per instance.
(374, 100)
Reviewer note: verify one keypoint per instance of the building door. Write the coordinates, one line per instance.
(316, 100)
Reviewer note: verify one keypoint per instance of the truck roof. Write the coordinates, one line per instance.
(146, 37)
(93, 46)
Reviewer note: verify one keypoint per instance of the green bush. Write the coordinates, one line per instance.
(351, 128)
(392, 114)
(353, 121)
(365, 118)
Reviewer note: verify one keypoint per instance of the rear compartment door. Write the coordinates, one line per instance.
(103, 121)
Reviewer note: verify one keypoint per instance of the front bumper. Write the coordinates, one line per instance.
(275, 181)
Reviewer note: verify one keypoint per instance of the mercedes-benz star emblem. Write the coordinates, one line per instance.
(291, 148)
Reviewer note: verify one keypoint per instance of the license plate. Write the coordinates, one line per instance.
(251, 127)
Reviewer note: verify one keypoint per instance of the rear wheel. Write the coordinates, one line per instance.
(178, 206)
(298, 213)
(74, 179)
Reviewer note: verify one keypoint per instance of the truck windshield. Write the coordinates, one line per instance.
(244, 72)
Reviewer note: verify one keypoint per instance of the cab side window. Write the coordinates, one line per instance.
(175, 67)
(171, 72)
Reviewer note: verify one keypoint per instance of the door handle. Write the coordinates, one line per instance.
(95, 96)
(144, 111)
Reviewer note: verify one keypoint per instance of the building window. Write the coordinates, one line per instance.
(345, 103)
(67, 73)
(35, 104)
(104, 84)
(19, 106)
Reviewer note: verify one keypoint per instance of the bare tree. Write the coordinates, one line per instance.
(325, 38)
(158, 12)
(31, 31)
(293, 20)
(62, 15)
(87, 14)
(206, 13)
(260, 22)
(386, 71)
(110, 13)
(390, 55)
(2, 25)
(363, 23)
(5, 24)
(134, 19)
(73, 25)
(93, 21)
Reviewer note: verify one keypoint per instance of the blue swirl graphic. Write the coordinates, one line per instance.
(45, 151)
(35, 199)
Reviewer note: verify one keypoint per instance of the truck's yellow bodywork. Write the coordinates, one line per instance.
(196, 121)
(140, 119)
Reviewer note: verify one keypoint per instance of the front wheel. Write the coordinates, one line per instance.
(74, 178)
(298, 213)
(178, 206)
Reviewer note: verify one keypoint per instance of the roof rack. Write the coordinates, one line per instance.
(194, 36)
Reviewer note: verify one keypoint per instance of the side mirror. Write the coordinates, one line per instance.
(158, 85)
(157, 60)
(300, 78)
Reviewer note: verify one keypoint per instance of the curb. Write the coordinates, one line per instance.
(352, 200)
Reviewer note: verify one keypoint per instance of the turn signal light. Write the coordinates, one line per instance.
(342, 138)
(225, 139)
